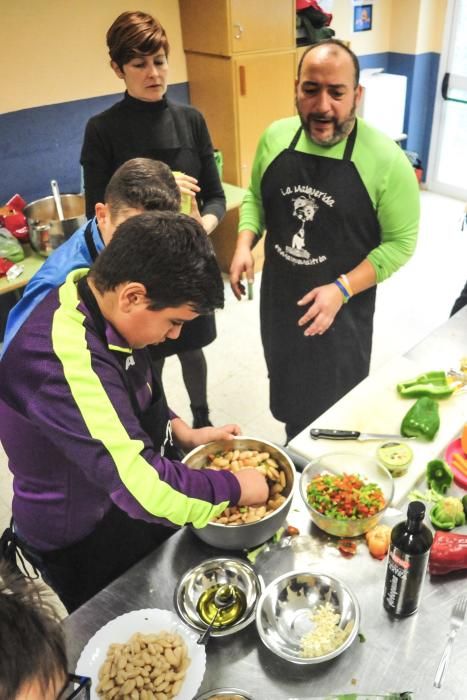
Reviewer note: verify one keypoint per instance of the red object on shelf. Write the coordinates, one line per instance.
(5, 266)
(13, 219)
(16, 202)
(301, 5)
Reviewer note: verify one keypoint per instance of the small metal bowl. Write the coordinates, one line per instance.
(224, 694)
(246, 535)
(337, 463)
(216, 572)
(283, 613)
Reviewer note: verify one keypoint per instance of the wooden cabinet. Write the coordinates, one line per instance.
(228, 27)
(241, 61)
(239, 98)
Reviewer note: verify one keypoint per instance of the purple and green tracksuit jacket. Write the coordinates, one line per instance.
(74, 442)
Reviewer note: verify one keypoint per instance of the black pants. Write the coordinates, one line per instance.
(78, 572)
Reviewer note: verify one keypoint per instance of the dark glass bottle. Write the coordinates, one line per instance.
(407, 561)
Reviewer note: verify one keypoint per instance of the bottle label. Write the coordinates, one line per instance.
(404, 580)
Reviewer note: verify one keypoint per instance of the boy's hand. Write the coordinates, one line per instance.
(254, 487)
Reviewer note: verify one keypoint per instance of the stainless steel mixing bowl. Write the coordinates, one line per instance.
(284, 608)
(46, 230)
(246, 535)
(218, 571)
(225, 694)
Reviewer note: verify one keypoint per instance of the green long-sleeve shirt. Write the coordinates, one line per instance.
(387, 176)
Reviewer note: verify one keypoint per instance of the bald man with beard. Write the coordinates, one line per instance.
(317, 346)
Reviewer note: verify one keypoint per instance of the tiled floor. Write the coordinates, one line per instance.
(409, 305)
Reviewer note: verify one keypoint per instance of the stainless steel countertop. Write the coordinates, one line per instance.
(397, 655)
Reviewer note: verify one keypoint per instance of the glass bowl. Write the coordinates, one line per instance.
(283, 613)
(368, 468)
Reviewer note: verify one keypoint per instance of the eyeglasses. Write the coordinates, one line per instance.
(76, 688)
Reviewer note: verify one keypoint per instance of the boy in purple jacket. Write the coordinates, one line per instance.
(84, 421)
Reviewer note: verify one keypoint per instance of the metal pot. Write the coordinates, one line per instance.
(246, 535)
(46, 231)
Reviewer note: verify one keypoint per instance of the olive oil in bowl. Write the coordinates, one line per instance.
(207, 608)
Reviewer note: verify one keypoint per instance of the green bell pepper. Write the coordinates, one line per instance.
(434, 384)
(438, 476)
(448, 514)
(422, 420)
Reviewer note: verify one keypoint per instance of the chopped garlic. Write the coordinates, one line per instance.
(326, 635)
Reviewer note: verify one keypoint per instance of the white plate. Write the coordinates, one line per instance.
(148, 621)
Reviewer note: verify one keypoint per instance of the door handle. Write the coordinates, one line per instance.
(242, 78)
(444, 86)
(238, 30)
(457, 85)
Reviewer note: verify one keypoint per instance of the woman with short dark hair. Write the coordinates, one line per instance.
(147, 124)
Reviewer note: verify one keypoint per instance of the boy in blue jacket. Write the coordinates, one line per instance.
(140, 184)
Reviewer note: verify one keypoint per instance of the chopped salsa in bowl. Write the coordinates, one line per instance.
(345, 496)
(346, 493)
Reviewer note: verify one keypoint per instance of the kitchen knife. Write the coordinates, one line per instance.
(351, 435)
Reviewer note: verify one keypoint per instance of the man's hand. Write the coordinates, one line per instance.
(242, 263)
(254, 489)
(324, 302)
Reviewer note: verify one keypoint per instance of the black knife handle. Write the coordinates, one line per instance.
(334, 434)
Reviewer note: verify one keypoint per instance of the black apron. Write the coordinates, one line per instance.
(320, 223)
(202, 330)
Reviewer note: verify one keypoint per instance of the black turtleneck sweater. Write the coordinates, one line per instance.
(173, 133)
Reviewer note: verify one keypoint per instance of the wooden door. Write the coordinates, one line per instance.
(212, 92)
(264, 88)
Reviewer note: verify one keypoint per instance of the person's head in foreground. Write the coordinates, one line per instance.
(328, 91)
(139, 185)
(33, 663)
(158, 272)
